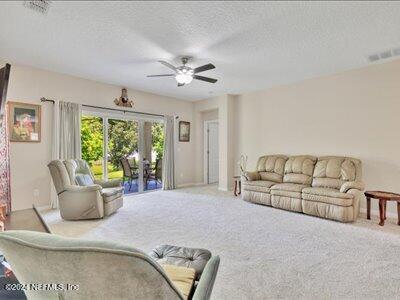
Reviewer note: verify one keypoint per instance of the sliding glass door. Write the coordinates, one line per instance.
(125, 148)
(93, 144)
(153, 137)
(123, 153)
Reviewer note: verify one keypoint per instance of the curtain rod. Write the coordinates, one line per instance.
(43, 99)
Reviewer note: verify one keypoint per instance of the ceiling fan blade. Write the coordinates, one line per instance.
(204, 68)
(167, 64)
(208, 79)
(181, 84)
(161, 75)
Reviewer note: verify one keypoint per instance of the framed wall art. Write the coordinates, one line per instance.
(24, 122)
(184, 131)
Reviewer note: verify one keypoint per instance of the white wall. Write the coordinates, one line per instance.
(29, 160)
(222, 105)
(355, 113)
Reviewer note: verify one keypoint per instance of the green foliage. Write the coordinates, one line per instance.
(157, 132)
(122, 140)
(92, 138)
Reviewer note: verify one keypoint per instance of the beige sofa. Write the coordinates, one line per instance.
(328, 187)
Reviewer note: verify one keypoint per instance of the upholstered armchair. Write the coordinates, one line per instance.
(99, 269)
(80, 195)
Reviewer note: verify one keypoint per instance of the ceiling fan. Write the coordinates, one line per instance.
(184, 74)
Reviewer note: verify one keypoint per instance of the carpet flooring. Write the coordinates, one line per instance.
(266, 253)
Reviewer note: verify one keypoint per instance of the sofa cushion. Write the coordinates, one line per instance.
(195, 258)
(299, 169)
(333, 171)
(258, 185)
(75, 167)
(328, 195)
(271, 167)
(84, 179)
(181, 277)
(288, 189)
(110, 194)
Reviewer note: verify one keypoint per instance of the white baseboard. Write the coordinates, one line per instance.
(375, 213)
(183, 185)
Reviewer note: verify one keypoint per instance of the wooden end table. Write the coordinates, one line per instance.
(383, 197)
(238, 185)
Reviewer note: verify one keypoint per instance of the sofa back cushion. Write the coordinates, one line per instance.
(333, 171)
(77, 167)
(271, 167)
(59, 175)
(299, 169)
(84, 179)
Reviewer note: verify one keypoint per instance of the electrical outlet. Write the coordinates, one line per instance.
(36, 193)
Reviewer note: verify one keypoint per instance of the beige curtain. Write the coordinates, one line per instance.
(66, 135)
(168, 168)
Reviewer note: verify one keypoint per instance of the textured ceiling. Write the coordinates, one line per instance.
(254, 45)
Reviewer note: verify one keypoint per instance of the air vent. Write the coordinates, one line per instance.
(384, 54)
(41, 6)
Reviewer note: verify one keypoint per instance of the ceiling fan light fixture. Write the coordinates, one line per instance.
(184, 78)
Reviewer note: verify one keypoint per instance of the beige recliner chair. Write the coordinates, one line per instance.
(80, 195)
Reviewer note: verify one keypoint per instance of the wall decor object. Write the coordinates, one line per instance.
(123, 100)
(184, 131)
(24, 122)
(242, 163)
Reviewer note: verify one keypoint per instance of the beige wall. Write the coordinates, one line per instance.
(28, 160)
(355, 113)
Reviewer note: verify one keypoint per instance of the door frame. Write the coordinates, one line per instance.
(205, 149)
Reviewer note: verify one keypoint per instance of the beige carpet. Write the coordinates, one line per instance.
(265, 252)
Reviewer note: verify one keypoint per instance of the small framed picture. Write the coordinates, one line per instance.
(184, 131)
(24, 122)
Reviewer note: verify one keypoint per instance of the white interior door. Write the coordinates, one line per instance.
(213, 152)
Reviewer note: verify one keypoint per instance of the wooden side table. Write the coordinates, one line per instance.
(238, 185)
(383, 197)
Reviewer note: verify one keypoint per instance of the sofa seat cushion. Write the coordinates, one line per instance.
(288, 189)
(258, 186)
(181, 277)
(194, 258)
(110, 194)
(328, 195)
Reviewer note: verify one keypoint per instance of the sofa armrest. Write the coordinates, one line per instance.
(82, 189)
(251, 176)
(207, 279)
(109, 183)
(358, 185)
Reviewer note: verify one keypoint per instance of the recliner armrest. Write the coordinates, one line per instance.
(80, 189)
(207, 279)
(251, 176)
(358, 185)
(109, 183)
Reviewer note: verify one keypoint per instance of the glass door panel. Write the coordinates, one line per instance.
(153, 139)
(93, 144)
(123, 153)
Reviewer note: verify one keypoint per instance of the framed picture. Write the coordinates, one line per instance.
(184, 131)
(24, 122)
